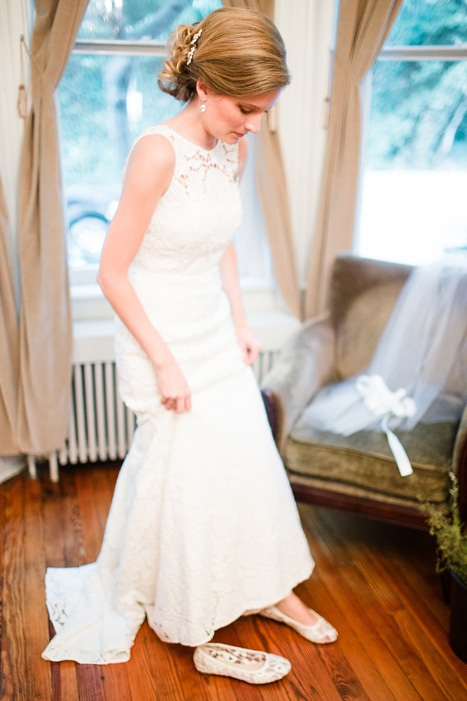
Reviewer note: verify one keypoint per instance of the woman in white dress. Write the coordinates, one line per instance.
(203, 527)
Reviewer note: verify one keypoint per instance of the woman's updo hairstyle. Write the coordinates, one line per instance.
(239, 52)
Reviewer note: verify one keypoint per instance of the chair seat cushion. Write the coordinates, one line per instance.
(362, 464)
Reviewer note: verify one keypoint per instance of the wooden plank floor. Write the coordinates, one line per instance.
(375, 582)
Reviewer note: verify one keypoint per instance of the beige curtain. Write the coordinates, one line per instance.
(362, 29)
(45, 322)
(270, 176)
(8, 342)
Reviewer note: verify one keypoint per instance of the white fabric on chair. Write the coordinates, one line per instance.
(419, 369)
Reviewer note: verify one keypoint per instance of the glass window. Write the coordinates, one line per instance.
(414, 178)
(139, 20)
(429, 23)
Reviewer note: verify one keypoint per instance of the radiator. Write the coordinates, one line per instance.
(101, 426)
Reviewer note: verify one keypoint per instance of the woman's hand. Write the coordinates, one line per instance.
(249, 344)
(173, 387)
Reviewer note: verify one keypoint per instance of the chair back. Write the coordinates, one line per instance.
(363, 295)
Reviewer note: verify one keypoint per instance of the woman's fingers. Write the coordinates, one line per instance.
(248, 343)
(179, 404)
(173, 387)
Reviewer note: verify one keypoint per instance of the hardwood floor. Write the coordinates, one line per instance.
(374, 582)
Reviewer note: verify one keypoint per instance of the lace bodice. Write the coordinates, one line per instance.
(199, 213)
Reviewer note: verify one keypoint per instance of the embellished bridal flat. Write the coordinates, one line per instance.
(320, 632)
(252, 666)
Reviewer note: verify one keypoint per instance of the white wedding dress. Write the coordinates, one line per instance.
(203, 525)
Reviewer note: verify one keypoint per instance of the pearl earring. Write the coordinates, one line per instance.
(203, 107)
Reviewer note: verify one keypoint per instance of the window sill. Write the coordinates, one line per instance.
(89, 304)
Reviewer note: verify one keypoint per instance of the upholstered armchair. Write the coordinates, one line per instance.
(357, 473)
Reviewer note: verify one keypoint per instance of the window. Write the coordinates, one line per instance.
(107, 96)
(414, 179)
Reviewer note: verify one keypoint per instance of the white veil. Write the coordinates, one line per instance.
(419, 369)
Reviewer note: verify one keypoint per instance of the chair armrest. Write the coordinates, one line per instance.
(459, 463)
(305, 364)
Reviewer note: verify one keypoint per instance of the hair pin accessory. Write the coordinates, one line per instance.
(193, 47)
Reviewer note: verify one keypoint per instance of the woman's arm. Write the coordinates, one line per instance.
(148, 175)
(248, 342)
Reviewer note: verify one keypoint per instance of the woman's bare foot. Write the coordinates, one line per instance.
(306, 622)
(295, 608)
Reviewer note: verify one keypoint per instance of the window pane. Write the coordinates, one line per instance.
(425, 22)
(141, 19)
(415, 179)
(105, 102)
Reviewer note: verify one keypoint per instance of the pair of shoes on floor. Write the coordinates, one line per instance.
(252, 666)
(320, 632)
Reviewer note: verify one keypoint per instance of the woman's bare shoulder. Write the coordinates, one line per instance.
(152, 148)
(152, 158)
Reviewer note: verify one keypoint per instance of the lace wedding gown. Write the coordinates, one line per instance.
(203, 525)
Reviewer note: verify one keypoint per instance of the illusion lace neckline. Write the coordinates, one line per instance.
(192, 143)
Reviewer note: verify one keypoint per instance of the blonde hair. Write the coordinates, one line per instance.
(239, 52)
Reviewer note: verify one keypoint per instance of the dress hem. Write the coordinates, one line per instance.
(230, 620)
(125, 655)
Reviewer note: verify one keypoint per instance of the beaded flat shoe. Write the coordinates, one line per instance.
(252, 666)
(320, 632)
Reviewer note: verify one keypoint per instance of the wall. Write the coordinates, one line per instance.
(307, 27)
(13, 23)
